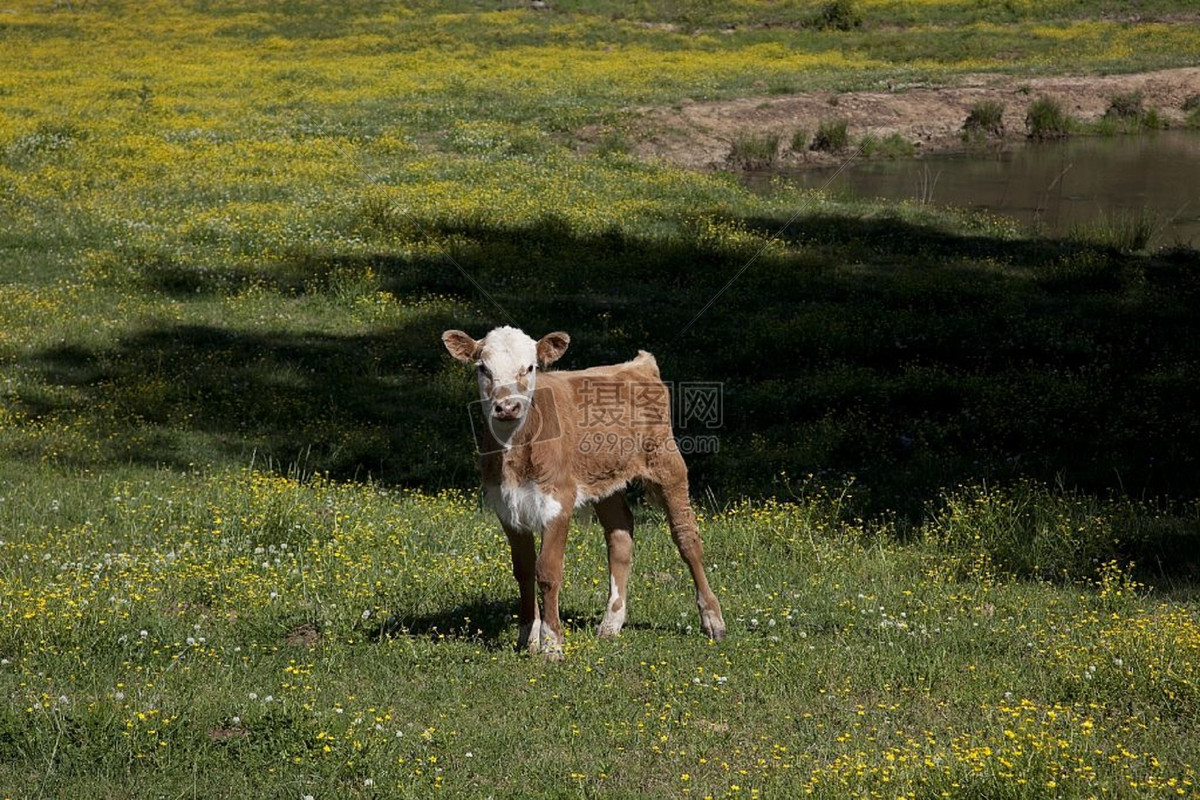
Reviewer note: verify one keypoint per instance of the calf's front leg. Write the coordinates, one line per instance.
(549, 578)
(524, 559)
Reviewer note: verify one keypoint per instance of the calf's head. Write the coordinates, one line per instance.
(506, 362)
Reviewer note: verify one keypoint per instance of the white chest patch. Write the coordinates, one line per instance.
(524, 507)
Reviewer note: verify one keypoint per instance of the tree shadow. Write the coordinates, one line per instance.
(481, 620)
(351, 405)
(903, 357)
(487, 623)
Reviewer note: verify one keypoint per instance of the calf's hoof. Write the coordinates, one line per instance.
(713, 625)
(610, 626)
(530, 638)
(552, 646)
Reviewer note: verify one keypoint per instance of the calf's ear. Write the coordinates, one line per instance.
(551, 347)
(461, 346)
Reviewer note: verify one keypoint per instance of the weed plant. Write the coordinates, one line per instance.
(1127, 106)
(1126, 114)
(800, 141)
(838, 15)
(986, 118)
(832, 136)
(1046, 119)
(1153, 120)
(754, 151)
(894, 145)
(1125, 231)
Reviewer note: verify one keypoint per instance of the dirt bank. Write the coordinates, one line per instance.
(699, 135)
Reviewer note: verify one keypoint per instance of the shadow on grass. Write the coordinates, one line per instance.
(908, 356)
(353, 406)
(482, 620)
(490, 623)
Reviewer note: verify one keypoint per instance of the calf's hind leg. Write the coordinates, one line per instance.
(686, 535)
(614, 514)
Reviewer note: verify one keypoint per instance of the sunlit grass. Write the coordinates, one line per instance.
(231, 623)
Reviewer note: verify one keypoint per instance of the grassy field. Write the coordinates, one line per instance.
(240, 552)
(250, 635)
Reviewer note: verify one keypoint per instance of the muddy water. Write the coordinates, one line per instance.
(1054, 185)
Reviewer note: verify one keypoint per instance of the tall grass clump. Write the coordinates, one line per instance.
(986, 118)
(1191, 106)
(1025, 531)
(1125, 230)
(892, 146)
(1126, 106)
(1046, 119)
(1152, 120)
(1127, 114)
(800, 141)
(832, 136)
(754, 151)
(838, 15)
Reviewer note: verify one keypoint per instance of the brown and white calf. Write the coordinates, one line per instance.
(557, 440)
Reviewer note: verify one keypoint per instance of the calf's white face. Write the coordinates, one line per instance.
(506, 362)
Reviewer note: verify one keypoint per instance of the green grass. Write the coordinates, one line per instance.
(832, 136)
(246, 633)
(1191, 105)
(799, 141)
(754, 151)
(1126, 114)
(1046, 119)
(952, 513)
(1127, 106)
(838, 15)
(986, 118)
(892, 146)
(1125, 231)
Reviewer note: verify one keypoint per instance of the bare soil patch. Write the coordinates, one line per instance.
(303, 635)
(699, 135)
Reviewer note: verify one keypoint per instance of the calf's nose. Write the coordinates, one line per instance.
(507, 408)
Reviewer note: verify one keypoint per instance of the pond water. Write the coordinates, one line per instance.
(1055, 185)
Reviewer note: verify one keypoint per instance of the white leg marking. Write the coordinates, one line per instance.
(614, 614)
(552, 648)
(531, 635)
